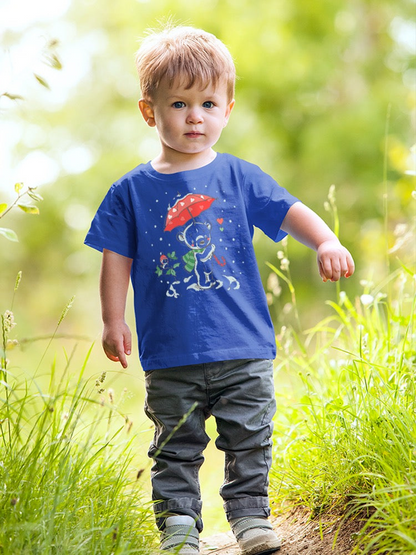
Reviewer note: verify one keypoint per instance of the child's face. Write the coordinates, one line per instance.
(188, 121)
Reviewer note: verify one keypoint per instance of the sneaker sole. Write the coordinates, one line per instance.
(264, 548)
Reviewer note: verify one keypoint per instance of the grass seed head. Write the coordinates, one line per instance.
(8, 321)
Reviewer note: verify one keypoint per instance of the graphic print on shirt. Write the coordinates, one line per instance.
(196, 236)
(168, 264)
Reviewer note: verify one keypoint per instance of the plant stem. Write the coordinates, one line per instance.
(9, 208)
(386, 193)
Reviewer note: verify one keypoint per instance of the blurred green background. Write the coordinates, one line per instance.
(325, 96)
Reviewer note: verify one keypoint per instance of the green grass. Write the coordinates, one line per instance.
(345, 433)
(345, 438)
(68, 483)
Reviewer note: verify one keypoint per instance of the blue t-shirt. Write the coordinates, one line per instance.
(198, 295)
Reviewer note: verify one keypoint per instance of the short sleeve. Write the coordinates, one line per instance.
(267, 202)
(113, 226)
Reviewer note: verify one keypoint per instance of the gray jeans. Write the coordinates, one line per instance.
(240, 395)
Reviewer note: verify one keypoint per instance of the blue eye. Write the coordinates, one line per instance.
(178, 104)
(208, 104)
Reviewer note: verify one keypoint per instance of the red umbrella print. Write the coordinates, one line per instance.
(187, 207)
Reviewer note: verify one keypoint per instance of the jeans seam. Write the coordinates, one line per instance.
(267, 464)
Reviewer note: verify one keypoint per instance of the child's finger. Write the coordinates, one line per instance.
(350, 267)
(127, 343)
(322, 272)
(122, 357)
(331, 269)
(116, 353)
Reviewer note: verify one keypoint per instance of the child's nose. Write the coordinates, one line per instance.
(194, 116)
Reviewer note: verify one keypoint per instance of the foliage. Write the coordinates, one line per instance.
(315, 84)
(49, 58)
(346, 431)
(27, 208)
(68, 484)
(324, 90)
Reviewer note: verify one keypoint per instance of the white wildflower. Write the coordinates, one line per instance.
(284, 265)
(273, 284)
(287, 308)
(366, 283)
(400, 229)
(366, 300)
(12, 343)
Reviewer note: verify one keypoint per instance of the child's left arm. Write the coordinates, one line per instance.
(334, 260)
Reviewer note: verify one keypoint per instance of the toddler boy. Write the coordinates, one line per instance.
(181, 228)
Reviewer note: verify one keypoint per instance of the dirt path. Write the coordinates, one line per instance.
(299, 534)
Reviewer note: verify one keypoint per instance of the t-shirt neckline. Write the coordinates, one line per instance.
(197, 172)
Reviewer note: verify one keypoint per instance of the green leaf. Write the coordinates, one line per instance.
(29, 209)
(405, 268)
(306, 400)
(42, 81)
(334, 405)
(18, 187)
(34, 196)
(3, 207)
(281, 275)
(12, 96)
(53, 61)
(9, 234)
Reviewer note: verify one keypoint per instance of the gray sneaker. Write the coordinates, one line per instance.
(180, 535)
(255, 535)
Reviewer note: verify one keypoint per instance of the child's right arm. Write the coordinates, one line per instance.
(334, 260)
(114, 282)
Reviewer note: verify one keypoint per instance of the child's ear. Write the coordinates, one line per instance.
(228, 111)
(147, 112)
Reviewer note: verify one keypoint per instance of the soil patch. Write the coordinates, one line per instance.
(300, 536)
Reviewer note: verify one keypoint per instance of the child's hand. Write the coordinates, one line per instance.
(334, 261)
(117, 342)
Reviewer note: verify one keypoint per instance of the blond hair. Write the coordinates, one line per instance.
(185, 53)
